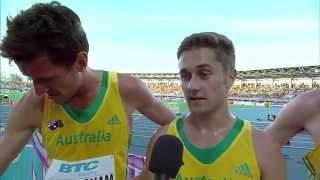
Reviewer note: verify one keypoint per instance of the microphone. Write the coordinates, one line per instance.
(166, 157)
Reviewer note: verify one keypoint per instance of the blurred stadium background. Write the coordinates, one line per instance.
(257, 95)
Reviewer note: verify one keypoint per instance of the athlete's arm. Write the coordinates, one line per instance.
(137, 96)
(270, 160)
(146, 174)
(23, 119)
(301, 113)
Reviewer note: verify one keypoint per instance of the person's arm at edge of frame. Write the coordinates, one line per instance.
(19, 129)
(294, 117)
(271, 162)
(138, 95)
(145, 173)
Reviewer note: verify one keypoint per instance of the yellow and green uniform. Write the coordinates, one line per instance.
(312, 161)
(232, 159)
(79, 142)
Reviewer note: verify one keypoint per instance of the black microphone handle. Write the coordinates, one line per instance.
(161, 177)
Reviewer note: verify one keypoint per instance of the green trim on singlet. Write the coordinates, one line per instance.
(310, 176)
(209, 155)
(310, 167)
(85, 115)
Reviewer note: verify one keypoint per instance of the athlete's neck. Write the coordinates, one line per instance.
(88, 91)
(213, 121)
(205, 131)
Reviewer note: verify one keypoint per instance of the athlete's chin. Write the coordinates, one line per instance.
(198, 110)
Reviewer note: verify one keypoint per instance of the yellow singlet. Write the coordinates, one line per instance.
(232, 159)
(88, 144)
(312, 161)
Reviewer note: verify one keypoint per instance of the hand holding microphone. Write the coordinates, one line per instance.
(166, 157)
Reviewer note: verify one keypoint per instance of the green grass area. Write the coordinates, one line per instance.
(15, 95)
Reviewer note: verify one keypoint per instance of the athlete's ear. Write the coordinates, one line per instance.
(81, 62)
(231, 77)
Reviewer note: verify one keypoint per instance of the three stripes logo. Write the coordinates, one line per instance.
(244, 170)
(114, 120)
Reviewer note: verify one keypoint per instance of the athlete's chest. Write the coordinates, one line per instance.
(205, 138)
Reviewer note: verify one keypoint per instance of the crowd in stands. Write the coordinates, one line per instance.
(172, 88)
(169, 88)
(278, 90)
(268, 90)
(8, 88)
(20, 85)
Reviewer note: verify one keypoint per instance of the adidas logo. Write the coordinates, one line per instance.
(114, 120)
(244, 170)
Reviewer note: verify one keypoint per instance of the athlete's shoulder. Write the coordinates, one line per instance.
(259, 135)
(30, 100)
(268, 155)
(128, 80)
(134, 89)
(28, 110)
(309, 98)
(263, 142)
(311, 94)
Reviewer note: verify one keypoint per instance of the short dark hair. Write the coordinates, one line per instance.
(49, 29)
(222, 46)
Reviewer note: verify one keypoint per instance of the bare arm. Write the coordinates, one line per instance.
(22, 121)
(146, 174)
(270, 160)
(137, 96)
(298, 115)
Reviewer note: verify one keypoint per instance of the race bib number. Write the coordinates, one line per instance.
(90, 169)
